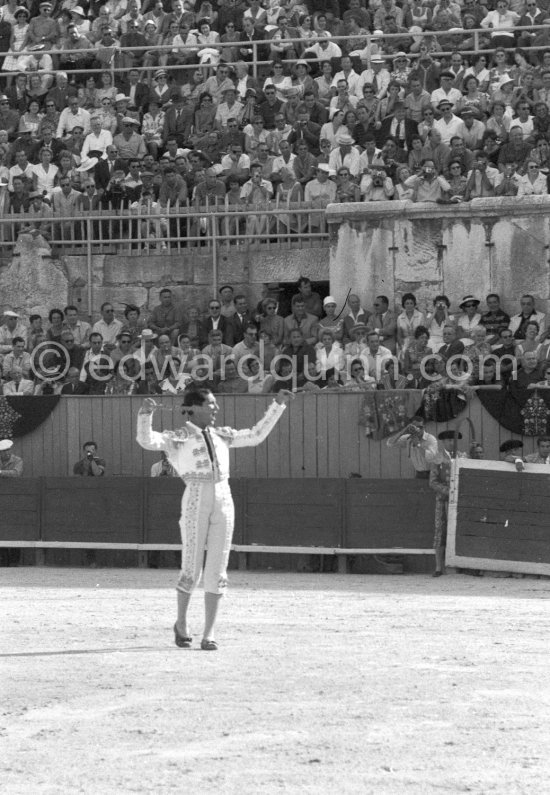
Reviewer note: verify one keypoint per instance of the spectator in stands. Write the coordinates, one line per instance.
(428, 186)
(358, 380)
(534, 182)
(79, 328)
(231, 382)
(18, 358)
(469, 319)
(167, 318)
(11, 327)
(495, 320)
(384, 321)
(482, 179)
(215, 320)
(16, 385)
(519, 322)
(108, 327)
(451, 345)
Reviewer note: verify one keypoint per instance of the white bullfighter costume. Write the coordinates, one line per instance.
(207, 512)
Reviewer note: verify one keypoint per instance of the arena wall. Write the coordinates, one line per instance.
(318, 437)
(488, 245)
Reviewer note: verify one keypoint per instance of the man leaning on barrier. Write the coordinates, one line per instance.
(199, 452)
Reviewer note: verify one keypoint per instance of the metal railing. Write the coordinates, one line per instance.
(123, 59)
(125, 230)
(129, 232)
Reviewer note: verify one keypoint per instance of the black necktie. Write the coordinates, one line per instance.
(208, 444)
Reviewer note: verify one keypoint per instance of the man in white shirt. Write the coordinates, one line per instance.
(445, 91)
(285, 159)
(351, 77)
(73, 116)
(448, 125)
(345, 155)
(524, 120)
(377, 76)
(109, 327)
(97, 141)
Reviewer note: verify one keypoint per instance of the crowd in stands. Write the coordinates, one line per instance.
(281, 101)
(307, 344)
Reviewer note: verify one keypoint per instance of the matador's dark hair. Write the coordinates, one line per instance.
(195, 396)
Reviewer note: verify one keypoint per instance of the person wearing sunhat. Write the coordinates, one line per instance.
(129, 142)
(470, 317)
(345, 154)
(43, 29)
(440, 475)
(11, 327)
(448, 124)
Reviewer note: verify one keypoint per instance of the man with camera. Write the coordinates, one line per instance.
(422, 448)
(376, 186)
(428, 185)
(90, 465)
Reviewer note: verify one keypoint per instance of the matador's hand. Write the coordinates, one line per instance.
(284, 397)
(149, 406)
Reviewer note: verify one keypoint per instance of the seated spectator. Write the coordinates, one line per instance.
(528, 312)
(301, 352)
(312, 300)
(259, 382)
(457, 181)
(534, 182)
(358, 380)
(16, 385)
(375, 356)
(346, 189)
(12, 327)
(231, 382)
(448, 125)
(18, 358)
(451, 345)
(507, 182)
(495, 320)
(329, 353)
(531, 341)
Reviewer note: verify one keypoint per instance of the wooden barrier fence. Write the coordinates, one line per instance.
(329, 516)
(317, 437)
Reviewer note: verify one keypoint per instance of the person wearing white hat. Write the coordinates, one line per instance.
(130, 144)
(11, 466)
(12, 326)
(319, 192)
(331, 322)
(345, 155)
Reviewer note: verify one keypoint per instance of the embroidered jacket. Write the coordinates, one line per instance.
(186, 447)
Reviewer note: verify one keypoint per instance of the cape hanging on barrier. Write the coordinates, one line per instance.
(22, 415)
(386, 412)
(522, 411)
(441, 405)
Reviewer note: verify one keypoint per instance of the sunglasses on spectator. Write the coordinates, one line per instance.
(469, 306)
(215, 306)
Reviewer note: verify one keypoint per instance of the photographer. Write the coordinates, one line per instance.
(163, 468)
(428, 186)
(421, 447)
(376, 186)
(90, 465)
(482, 179)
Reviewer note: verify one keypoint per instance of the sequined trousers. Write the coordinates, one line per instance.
(206, 524)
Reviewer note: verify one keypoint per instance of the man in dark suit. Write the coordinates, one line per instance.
(72, 385)
(241, 318)
(136, 89)
(249, 35)
(215, 320)
(106, 167)
(398, 127)
(451, 345)
(178, 120)
(47, 142)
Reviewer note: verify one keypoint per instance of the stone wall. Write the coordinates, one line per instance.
(488, 245)
(33, 281)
